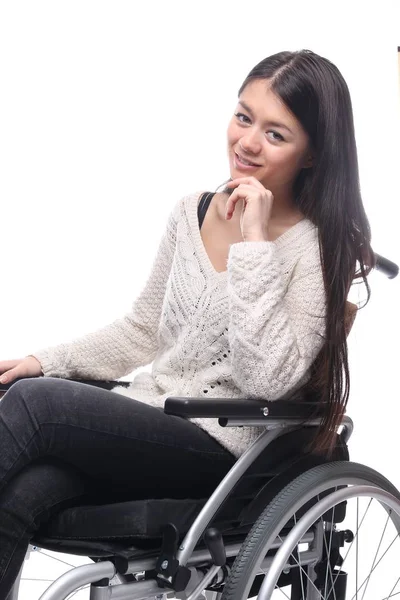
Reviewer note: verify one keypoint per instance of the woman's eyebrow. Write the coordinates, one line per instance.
(273, 123)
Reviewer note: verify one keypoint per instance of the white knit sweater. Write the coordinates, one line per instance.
(251, 331)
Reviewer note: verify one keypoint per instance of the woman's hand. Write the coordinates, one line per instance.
(20, 368)
(257, 205)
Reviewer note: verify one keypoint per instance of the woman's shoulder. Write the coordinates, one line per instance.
(187, 201)
(187, 206)
(183, 205)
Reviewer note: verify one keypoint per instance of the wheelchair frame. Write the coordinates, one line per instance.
(98, 574)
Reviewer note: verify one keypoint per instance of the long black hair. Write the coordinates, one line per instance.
(328, 194)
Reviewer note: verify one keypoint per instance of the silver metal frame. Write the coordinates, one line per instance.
(187, 555)
(346, 423)
(224, 488)
(140, 590)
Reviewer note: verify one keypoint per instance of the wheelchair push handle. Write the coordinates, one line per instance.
(386, 266)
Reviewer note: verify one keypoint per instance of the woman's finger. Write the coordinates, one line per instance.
(8, 376)
(5, 365)
(239, 193)
(246, 180)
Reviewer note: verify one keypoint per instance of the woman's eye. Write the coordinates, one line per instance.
(278, 134)
(238, 115)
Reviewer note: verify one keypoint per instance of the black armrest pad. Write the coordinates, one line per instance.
(107, 385)
(239, 408)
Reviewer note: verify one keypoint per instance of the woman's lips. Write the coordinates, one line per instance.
(242, 166)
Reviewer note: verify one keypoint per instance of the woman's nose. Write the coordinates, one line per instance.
(250, 143)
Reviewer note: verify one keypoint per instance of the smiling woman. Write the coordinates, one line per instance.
(251, 148)
(251, 305)
(273, 157)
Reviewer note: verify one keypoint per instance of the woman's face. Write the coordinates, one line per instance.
(264, 132)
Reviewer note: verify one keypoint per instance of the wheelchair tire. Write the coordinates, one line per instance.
(283, 507)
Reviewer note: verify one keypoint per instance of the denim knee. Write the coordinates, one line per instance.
(29, 396)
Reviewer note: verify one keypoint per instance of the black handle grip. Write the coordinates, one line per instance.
(386, 266)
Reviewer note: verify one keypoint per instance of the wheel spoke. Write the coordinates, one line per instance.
(391, 591)
(300, 575)
(356, 539)
(358, 506)
(282, 592)
(57, 559)
(328, 569)
(302, 569)
(328, 553)
(376, 553)
(368, 576)
(391, 595)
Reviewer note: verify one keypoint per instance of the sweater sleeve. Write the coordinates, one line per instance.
(275, 333)
(127, 343)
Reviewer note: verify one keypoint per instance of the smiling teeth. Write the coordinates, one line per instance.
(246, 162)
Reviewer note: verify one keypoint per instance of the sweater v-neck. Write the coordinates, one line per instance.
(193, 220)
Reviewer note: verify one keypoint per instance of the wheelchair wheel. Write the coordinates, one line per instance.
(367, 543)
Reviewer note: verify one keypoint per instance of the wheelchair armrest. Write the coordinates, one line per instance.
(243, 409)
(105, 384)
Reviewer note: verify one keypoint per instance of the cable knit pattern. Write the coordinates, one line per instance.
(250, 331)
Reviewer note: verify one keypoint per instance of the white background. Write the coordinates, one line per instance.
(112, 111)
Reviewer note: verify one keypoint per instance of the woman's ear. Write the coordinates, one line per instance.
(309, 162)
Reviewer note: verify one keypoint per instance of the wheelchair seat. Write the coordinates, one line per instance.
(130, 527)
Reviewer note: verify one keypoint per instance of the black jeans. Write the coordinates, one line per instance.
(63, 442)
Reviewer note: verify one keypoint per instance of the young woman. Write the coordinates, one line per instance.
(251, 305)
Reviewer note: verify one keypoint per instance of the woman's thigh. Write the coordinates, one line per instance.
(124, 445)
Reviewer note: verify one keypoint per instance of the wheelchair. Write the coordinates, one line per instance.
(282, 522)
